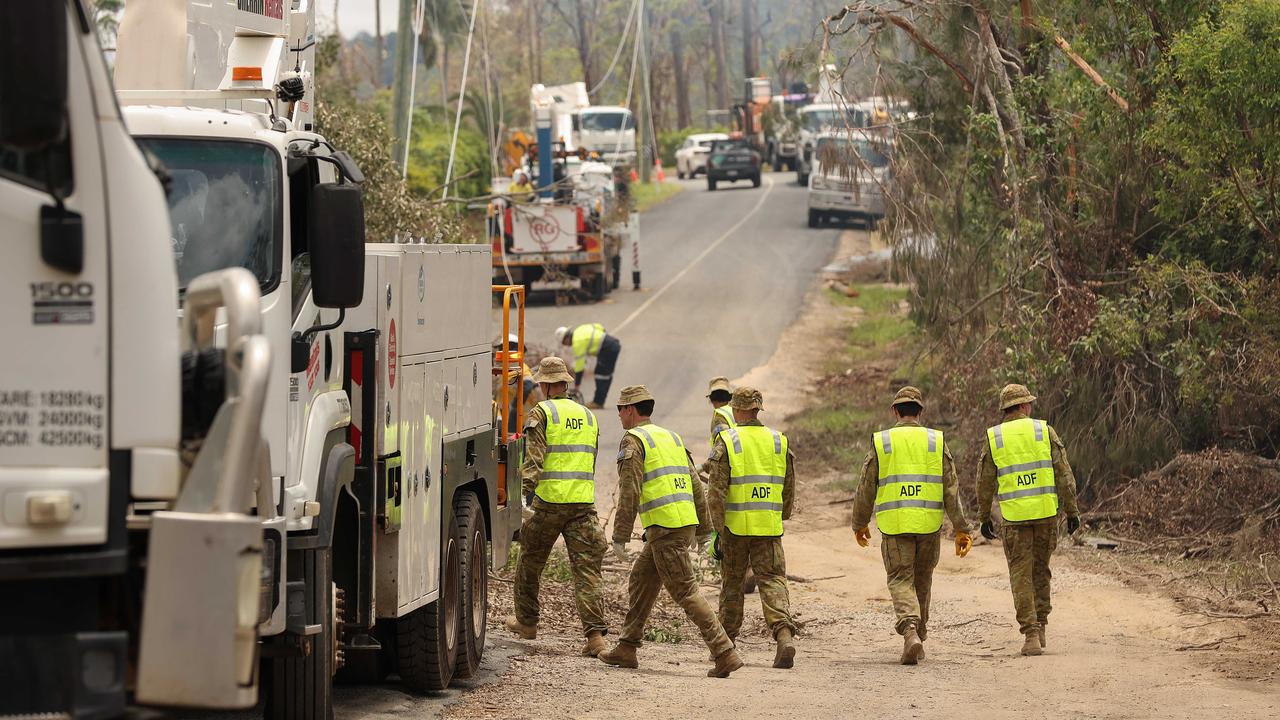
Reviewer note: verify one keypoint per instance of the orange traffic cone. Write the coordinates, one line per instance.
(657, 167)
(635, 177)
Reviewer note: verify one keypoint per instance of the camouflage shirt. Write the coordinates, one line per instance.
(718, 486)
(717, 424)
(630, 481)
(1063, 478)
(864, 498)
(535, 451)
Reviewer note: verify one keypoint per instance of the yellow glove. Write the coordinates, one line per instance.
(863, 536)
(964, 543)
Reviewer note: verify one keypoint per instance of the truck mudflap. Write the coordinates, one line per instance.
(213, 614)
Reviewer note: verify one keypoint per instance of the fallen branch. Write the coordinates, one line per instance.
(1088, 70)
(1211, 645)
(801, 579)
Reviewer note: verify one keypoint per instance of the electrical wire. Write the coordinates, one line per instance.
(626, 32)
(462, 95)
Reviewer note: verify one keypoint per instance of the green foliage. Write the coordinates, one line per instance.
(429, 159)
(1217, 121)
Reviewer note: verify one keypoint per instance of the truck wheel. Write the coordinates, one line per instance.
(301, 688)
(617, 270)
(427, 638)
(473, 548)
(802, 178)
(711, 185)
(755, 181)
(815, 219)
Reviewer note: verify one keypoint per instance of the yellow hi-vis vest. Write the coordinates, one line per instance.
(724, 421)
(587, 340)
(569, 468)
(666, 497)
(909, 485)
(757, 467)
(1023, 457)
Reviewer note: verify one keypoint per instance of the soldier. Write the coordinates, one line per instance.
(752, 490)
(719, 393)
(587, 340)
(558, 477)
(1024, 465)
(908, 478)
(656, 479)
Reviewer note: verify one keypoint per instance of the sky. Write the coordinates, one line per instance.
(355, 16)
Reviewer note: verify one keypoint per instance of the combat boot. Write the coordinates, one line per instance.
(528, 632)
(921, 633)
(785, 656)
(712, 658)
(911, 646)
(726, 662)
(1031, 645)
(620, 656)
(1040, 632)
(595, 644)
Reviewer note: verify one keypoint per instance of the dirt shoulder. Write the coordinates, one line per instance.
(1113, 649)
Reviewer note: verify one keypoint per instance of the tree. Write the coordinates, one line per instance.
(581, 19)
(106, 18)
(715, 8)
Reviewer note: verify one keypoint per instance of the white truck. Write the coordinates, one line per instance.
(607, 131)
(128, 442)
(190, 531)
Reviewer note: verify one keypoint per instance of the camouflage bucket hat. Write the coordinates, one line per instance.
(633, 394)
(909, 394)
(1012, 395)
(747, 398)
(718, 383)
(552, 370)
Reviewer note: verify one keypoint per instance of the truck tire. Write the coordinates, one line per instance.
(815, 219)
(755, 181)
(473, 548)
(427, 638)
(301, 688)
(711, 185)
(617, 270)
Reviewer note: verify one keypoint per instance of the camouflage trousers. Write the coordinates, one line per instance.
(909, 561)
(764, 556)
(664, 563)
(585, 543)
(1028, 547)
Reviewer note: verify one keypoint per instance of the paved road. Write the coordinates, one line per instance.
(724, 273)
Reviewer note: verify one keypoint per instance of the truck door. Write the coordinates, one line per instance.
(54, 399)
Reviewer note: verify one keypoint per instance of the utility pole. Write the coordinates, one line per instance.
(382, 48)
(405, 40)
(645, 121)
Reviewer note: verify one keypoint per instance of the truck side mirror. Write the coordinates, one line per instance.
(336, 243)
(33, 74)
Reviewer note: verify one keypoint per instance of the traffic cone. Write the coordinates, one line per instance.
(635, 177)
(657, 168)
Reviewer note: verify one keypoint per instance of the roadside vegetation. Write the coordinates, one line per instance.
(1086, 203)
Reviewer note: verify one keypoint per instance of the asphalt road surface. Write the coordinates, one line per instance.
(724, 273)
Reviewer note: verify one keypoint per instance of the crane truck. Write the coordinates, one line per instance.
(302, 477)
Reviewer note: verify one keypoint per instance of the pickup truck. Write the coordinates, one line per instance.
(733, 160)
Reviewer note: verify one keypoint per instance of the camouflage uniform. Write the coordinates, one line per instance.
(583, 539)
(909, 558)
(764, 555)
(1029, 544)
(664, 562)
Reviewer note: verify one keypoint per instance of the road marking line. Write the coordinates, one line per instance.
(707, 251)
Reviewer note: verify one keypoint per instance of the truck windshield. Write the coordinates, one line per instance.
(224, 206)
(815, 120)
(598, 121)
(845, 154)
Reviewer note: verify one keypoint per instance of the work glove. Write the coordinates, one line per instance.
(863, 536)
(713, 548)
(988, 530)
(1073, 524)
(620, 552)
(964, 543)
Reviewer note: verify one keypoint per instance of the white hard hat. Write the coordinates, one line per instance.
(513, 338)
(560, 333)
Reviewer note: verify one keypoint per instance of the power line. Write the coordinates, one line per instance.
(462, 94)
(626, 32)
